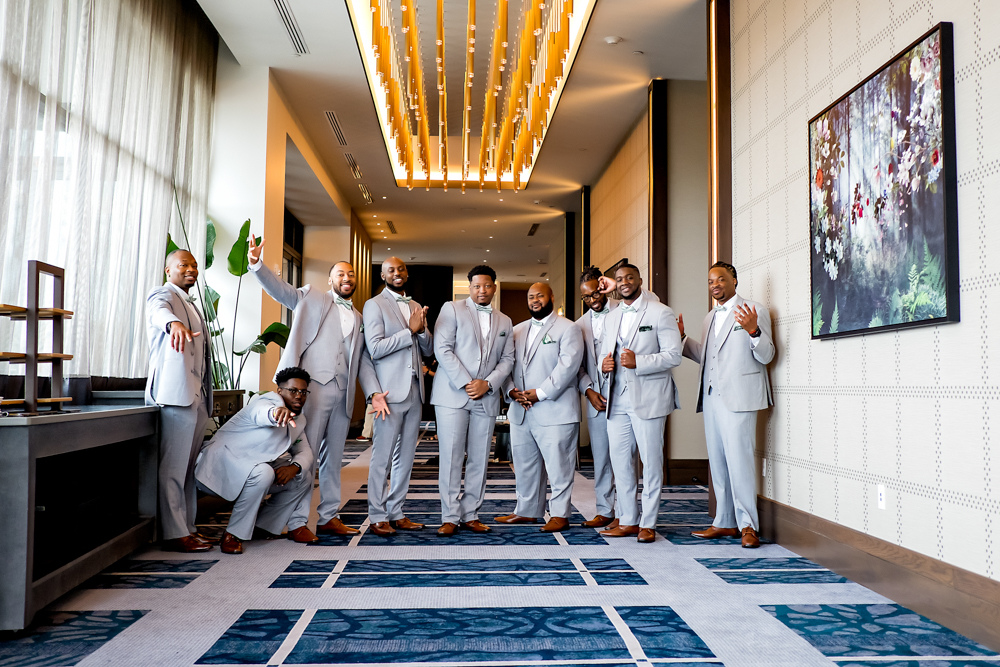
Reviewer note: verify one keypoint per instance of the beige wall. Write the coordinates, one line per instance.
(557, 269)
(321, 248)
(687, 247)
(914, 411)
(619, 204)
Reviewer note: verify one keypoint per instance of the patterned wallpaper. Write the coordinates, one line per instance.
(913, 411)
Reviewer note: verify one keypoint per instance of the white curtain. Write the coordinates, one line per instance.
(105, 111)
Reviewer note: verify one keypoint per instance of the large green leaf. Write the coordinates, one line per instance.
(211, 300)
(210, 244)
(275, 333)
(238, 262)
(220, 375)
(171, 246)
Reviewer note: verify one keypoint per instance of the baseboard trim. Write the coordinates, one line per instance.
(686, 471)
(966, 602)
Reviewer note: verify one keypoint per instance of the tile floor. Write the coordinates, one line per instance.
(515, 597)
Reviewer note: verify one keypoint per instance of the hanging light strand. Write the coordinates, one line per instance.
(442, 87)
(417, 100)
(470, 60)
(498, 60)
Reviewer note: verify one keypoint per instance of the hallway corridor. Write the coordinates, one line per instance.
(514, 597)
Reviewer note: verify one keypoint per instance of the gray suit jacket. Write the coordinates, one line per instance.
(458, 349)
(590, 370)
(551, 364)
(656, 341)
(395, 350)
(248, 439)
(742, 369)
(310, 307)
(173, 379)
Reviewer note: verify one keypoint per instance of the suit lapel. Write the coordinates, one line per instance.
(390, 299)
(640, 316)
(474, 314)
(538, 339)
(494, 326)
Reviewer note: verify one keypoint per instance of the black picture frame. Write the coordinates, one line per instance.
(948, 179)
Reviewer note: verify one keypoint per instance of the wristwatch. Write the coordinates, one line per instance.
(297, 465)
(757, 333)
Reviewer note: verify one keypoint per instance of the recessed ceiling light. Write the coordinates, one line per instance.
(612, 40)
(374, 216)
(491, 237)
(388, 248)
(384, 197)
(494, 221)
(501, 200)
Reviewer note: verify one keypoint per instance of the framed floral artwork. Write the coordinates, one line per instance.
(883, 197)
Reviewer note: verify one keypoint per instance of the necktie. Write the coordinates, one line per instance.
(484, 309)
(536, 323)
(628, 309)
(341, 301)
(404, 299)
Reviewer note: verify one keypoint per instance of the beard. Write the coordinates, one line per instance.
(543, 312)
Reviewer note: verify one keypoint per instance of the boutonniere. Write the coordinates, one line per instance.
(546, 339)
(297, 441)
(648, 327)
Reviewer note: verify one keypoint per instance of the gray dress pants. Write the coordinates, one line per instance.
(463, 431)
(730, 437)
(394, 444)
(182, 434)
(273, 515)
(604, 477)
(541, 450)
(628, 434)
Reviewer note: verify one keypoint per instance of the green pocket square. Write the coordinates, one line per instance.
(546, 340)
(503, 333)
(648, 327)
(737, 328)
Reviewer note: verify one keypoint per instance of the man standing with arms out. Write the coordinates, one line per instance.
(545, 414)
(262, 450)
(641, 344)
(397, 337)
(474, 346)
(325, 341)
(593, 385)
(180, 382)
(734, 351)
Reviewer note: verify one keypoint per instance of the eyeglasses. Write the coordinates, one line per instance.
(589, 298)
(302, 393)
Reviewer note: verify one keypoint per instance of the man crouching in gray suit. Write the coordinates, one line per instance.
(734, 351)
(545, 418)
(397, 336)
(474, 346)
(261, 450)
(180, 382)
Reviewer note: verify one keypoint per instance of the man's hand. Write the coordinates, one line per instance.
(628, 358)
(530, 395)
(253, 251)
(284, 417)
(285, 474)
(379, 407)
(608, 365)
(518, 396)
(179, 335)
(606, 285)
(596, 400)
(746, 317)
(477, 389)
(680, 323)
(418, 320)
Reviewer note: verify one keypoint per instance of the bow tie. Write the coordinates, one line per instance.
(190, 299)
(537, 323)
(628, 309)
(341, 301)
(404, 299)
(603, 312)
(484, 309)
(717, 308)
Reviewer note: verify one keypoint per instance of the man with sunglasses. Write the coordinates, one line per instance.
(262, 450)
(327, 340)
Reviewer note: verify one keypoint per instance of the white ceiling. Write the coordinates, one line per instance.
(604, 95)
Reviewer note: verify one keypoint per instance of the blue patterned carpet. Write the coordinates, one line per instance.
(515, 597)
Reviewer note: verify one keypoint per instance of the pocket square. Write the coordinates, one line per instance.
(648, 327)
(546, 340)
(503, 333)
(737, 328)
(362, 329)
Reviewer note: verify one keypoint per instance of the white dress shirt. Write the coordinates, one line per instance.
(597, 320)
(484, 322)
(533, 330)
(721, 315)
(193, 316)
(346, 323)
(628, 319)
(404, 306)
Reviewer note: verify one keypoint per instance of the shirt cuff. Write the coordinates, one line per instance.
(256, 267)
(541, 394)
(753, 342)
(270, 416)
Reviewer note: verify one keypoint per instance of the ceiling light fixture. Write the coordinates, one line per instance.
(442, 87)
(611, 40)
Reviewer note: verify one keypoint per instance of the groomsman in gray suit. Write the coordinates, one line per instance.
(593, 385)
(262, 450)
(545, 411)
(327, 342)
(641, 344)
(734, 351)
(397, 337)
(474, 347)
(180, 382)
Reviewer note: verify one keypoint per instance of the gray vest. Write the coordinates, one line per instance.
(710, 372)
(326, 357)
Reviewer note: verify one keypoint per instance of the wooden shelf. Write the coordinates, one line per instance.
(7, 310)
(43, 357)
(44, 314)
(12, 401)
(13, 357)
(55, 400)
(52, 356)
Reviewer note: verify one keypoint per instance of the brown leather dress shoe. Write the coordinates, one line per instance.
(261, 534)
(613, 524)
(555, 525)
(647, 535)
(750, 539)
(186, 544)
(515, 518)
(599, 521)
(621, 531)
(406, 524)
(302, 535)
(336, 527)
(476, 526)
(231, 544)
(381, 528)
(201, 537)
(447, 530)
(713, 533)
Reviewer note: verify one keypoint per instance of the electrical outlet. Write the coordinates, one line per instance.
(763, 468)
(881, 497)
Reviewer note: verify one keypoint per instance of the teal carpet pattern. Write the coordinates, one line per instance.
(514, 597)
